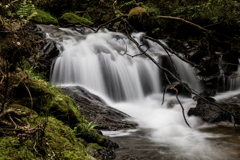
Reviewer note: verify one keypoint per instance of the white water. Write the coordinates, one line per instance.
(95, 61)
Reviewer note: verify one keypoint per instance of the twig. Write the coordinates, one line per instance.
(164, 91)
(30, 97)
(178, 100)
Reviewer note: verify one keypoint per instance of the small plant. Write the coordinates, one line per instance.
(84, 127)
(26, 11)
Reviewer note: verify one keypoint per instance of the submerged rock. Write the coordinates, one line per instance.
(95, 109)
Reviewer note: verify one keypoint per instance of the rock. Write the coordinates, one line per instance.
(208, 112)
(211, 113)
(43, 17)
(73, 18)
(165, 61)
(139, 18)
(181, 90)
(206, 94)
(138, 12)
(171, 103)
(107, 152)
(95, 109)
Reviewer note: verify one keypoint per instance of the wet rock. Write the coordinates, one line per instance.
(130, 157)
(206, 94)
(208, 112)
(211, 113)
(107, 153)
(165, 61)
(181, 90)
(171, 103)
(95, 109)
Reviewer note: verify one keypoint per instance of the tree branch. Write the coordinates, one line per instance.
(185, 21)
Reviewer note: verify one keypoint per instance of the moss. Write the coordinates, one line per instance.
(73, 18)
(59, 143)
(11, 149)
(61, 114)
(44, 18)
(62, 141)
(90, 135)
(138, 12)
(95, 146)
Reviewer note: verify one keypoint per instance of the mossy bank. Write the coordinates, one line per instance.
(54, 128)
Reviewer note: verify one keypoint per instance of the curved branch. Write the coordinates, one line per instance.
(185, 119)
(185, 21)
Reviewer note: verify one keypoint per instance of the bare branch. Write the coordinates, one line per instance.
(185, 21)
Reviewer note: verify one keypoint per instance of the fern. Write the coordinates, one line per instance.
(26, 11)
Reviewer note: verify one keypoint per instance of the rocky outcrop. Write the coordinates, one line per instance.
(95, 109)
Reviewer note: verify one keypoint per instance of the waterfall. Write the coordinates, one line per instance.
(101, 63)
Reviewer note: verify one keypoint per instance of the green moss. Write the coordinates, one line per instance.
(73, 18)
(12, 149)
(62, 141)
(47, 100)
(59, 143)
(95, 146)
(137, 12)
(44, 18)
(61, 114)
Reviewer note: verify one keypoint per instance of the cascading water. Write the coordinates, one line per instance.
(99, 62)
(233, 80)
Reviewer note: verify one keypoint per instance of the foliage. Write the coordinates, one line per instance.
(214, 10)
(26, 11)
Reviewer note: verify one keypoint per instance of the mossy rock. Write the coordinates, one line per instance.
(59, 143)
(95, 146)
(139, 18)
(73, 18)
(138, 12)
(47, 100)
(43, 17)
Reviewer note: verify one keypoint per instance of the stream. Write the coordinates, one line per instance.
(100, 63)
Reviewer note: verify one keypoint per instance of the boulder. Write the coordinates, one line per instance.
(95, 109)
(73, 18)
(211, 113)
(43, 17)
(139, 18)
